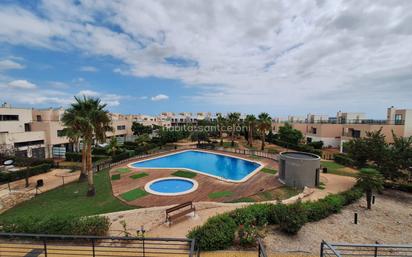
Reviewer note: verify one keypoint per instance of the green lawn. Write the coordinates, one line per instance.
(139, 175)
(279, 194)
(337, 169)
(71, 199)
(215, 195)
(115, 176)
(269, 171)
(123, 170)
(184, 174)
(134, 194)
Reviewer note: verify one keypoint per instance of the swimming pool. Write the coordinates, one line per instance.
(171, 186)
(221, 166)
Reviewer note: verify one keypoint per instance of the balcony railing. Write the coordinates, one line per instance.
(354, 121)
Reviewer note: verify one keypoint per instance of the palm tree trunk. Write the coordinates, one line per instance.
(263, 141)
(83, 173)
(91, 191)
(250, 136)
(369, 198)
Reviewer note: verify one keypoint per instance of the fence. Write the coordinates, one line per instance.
(271, 156)
(261, 248)
(58, 245)
(364, 250)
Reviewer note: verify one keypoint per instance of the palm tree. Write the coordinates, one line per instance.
(74, 138)
(88, 116)
(264, 123)
(113, 146)
(250, 121)
(233, 119)
(221, 122)
(369, 180)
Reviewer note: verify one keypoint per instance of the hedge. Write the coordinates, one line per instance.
(300, 147)
(344, 160)
(398, 186)
(77, 157)
(20, 174)
(219, 232)
(120, 156)
(70, 225)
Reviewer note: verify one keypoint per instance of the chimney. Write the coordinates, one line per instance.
(390, 118)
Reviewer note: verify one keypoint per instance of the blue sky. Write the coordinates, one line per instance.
(282, 57)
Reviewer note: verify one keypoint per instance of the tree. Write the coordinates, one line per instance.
(264, 124)
(233, 120)
(289, 135)
(402, 151)
(250, 121)
(140, 129)
(113, 146)
(88, 116)
(376, 144)
(221, 122)
(199, 136)
(369, 180)
(358, 151)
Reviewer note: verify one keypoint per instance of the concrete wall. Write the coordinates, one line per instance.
(299, 172)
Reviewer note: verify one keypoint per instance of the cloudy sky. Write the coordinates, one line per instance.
(283, 57)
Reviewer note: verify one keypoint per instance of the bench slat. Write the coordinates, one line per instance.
(180, 206)
(180, 214)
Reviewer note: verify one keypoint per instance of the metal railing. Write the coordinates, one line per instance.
(252, 152)
(60, 245)
(261, 248)
(364, 250)
(347, 121)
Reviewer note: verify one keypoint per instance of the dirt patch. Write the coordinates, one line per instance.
(389, 222)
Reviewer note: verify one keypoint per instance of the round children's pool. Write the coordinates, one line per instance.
(171, 186)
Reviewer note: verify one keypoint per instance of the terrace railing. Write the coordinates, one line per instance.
(261, 248)
(364, 250)
(59, 245)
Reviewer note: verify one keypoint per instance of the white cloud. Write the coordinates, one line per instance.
(88, 69)
(88, 93)
(22, 84)
(258, 55)
(109, 99)
(10, 65)
(159, 97)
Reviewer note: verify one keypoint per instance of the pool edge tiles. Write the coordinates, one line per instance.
(245, 178)
(151, 191)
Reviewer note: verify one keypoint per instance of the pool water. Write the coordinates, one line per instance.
(171, 186)
(221, 166)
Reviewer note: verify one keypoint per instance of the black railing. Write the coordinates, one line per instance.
(261, 248)
(251, 152)
(364, 250)
(61, 245)
(350, 121)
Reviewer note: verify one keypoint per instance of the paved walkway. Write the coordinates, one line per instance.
(153, 218)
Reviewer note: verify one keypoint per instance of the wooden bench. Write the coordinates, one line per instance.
(179, 211)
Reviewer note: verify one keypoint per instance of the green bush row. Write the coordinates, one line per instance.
(398, 186)
(121, 156)
(95, 225)
(343, 159)
(77, 157)
(219, 232)
(300, 147)
(16, 175)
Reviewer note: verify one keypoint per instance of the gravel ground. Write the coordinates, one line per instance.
(389, 221)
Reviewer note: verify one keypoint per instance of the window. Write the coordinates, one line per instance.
(398, 119)
(27, 127)
(60, 133)
(7, 117)
(313, 130)
(38, 118)
(356, 133)
(22, 144)
(122, 127)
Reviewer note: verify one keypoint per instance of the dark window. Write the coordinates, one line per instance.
(356, 133)
(398, 119)
(38, 118)
(60, 133)
(122, 127)
(314, 130)
(27, 127)
(6, 117)
(22, 144)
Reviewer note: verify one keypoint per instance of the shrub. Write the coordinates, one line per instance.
(343, 159)
(316, 144)
(95, 225)
(398, 186)
(39, 169)
(77, 157)
(216, 234)
(120, 157)
(293, 219)
(99, 151)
